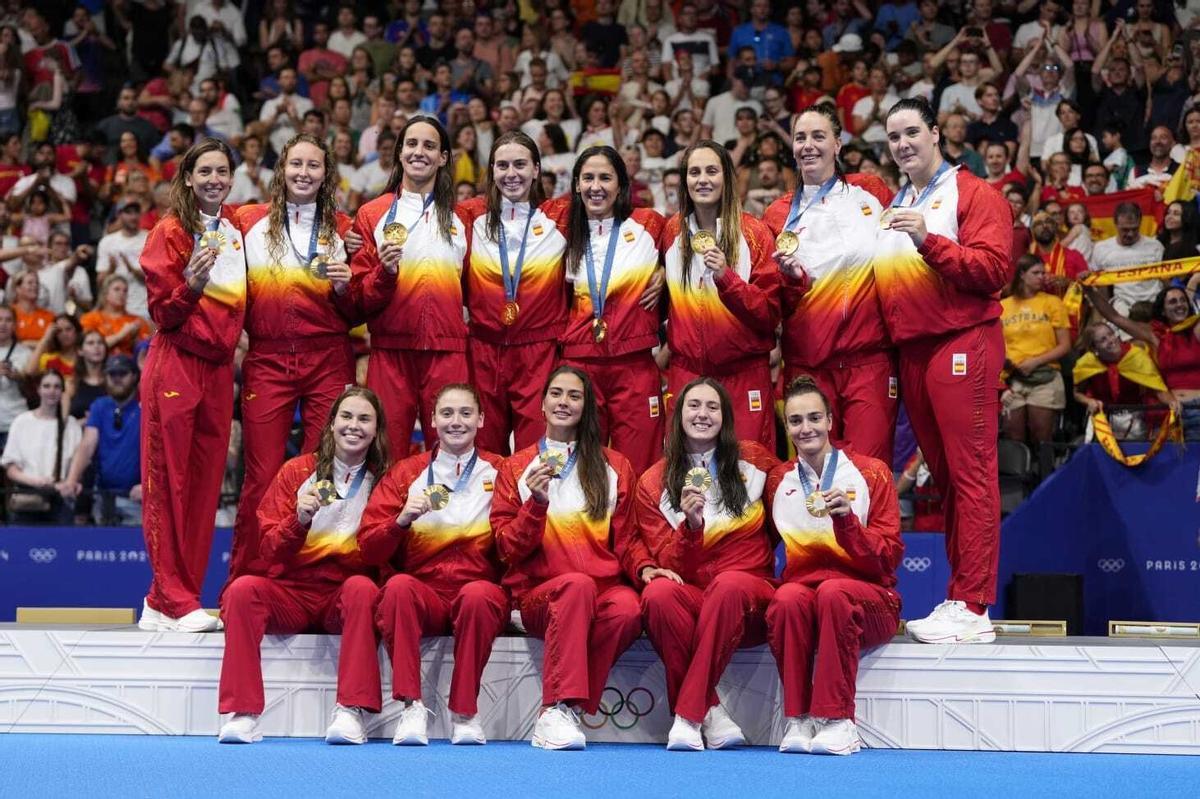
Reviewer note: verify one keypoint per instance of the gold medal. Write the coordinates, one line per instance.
(885, 219)
(556, 460)
(395, 233)
(213, 239)
(698, 477)
(787, 242)
(703, 241)
(318, 267)
(510, 313)
(815, 502)
(599, 330)
(326, 493)
(439, 496)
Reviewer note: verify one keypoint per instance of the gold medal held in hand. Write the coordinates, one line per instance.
(439, 496)
(703, 241)
(318, 267)
(787, 242)
(326, 493)
(698, 477)
(885, 219)
(557, 461)
(510, 313)
(213, 239)
(599, 330)
(395, 233)
(815, 502)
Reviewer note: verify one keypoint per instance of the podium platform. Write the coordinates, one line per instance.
(1019, 694)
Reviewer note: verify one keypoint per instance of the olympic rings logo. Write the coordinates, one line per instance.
(917, 564)
(1110, 565)
(42, 555)
(625, 705)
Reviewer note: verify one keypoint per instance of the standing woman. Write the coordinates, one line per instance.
(298, 315)
(563, 519)
(832, 329)
(516, 298)
(839, 518)
(612, 261)
(317, 578)
(429, 522)
(707, 560)
(722, 290)
(411, 264)
(195, 268)
(940, 266)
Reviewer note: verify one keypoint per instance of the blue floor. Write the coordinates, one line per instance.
(156, 766)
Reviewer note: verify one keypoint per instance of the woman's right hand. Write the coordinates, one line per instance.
(389, 255)
(691, 502)
(650, 573)
(307, 505)
(199, 268)
(539, 482)
(790, 265)
(417, 506)
(1094, 406)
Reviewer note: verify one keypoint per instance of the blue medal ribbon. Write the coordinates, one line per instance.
(600, 293)
(826, 475)
(211, 226)
(513, 279)
(462, 478)
(312, 239)
(795, 213)
(391, 214)
(566, 470)
(357, 484)
(924, 195)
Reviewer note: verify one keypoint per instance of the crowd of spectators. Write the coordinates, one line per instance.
(1051, 103)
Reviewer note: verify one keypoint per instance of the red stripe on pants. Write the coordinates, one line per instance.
(864, 412)
(956, 420)
(585, 629)
(254, 606)
(272, 384)
(629, 401)
(753, 421)
(510, 379)
(696, 632)
(187, 406)
(410, 610)
(832, 624)
(407, 382)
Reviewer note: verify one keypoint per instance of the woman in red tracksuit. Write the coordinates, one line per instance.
(429, 520)
(412, 290)
(832, 327)
(315, 576)
(196, 292)
(563, 521)
(516, 299)
(613, 264)
(705, 557)
(839, 519)
(939, 269)
(723, 298)
(298, 316)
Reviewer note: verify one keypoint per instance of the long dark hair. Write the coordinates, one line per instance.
(1186, 246)
(730, 214)
(378, 458)
(589, 460)
(494, 199)
(443, 182)
(183, 198)
(577, 221)
(734, 496)
(326, 199)
(1159, 311)
(1024, 264)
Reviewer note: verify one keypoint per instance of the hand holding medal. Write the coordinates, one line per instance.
(538, 481)
(905, 220)
(308, 503)
(693, 498)
(199, 268)
(836, 502)
(438, 496)
(416, 506)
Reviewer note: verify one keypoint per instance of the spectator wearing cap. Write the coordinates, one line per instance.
(112, 436)
(771, 42)
(720, 112)
(119, 253)
(700, 43)
(846, 18)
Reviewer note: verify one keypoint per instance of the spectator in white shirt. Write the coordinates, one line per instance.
(14, 360)
(1156, 172)
(1031, 32)
(720, 112)
(38, 453)
(225, 112)
(224, 19)
(960, 97)
(1069, 115)
(251, 180)
(120, 253)
(347, 36)
(63, 278)
(373, 176)
(283, 115)
(201, 52)
(44, 174)
(868, 113)
(700, 44)
(687, 90)
(1128, 248)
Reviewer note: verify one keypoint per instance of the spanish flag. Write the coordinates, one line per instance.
(1186, 181)
(593, 80)
(1136, 366)
(1101, 208)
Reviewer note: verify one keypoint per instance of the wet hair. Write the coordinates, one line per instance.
(577, 221)
(805, 384)
(590, 460)
(443, 183)
(730, 212)
(494, 197)
(734, 496)
(377, 456)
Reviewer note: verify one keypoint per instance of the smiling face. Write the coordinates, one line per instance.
(514, 171)
(701, 417)
(304, 172)
(210, 180)
(1176, 307)
(808, 424)
(598, 186)
(705, 178)
(457, 418)
(421, 153)
(563, 404)
(353, 428)
(913, 143)
(815, 147)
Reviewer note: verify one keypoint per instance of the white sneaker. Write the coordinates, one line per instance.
(198, 621)
(798, 734)
(241, 729)
(720, 731)
(835, 737)
(347, 726)
(558, 728)
(150, 620)
(685, 736)
(952, 623)
(466, 730)
(411, 731)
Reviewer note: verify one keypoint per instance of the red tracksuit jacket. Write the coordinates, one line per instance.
(724, 543)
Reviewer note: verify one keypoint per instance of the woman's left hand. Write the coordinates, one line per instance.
(837, 502)
(912, 223)
(653, 293)
(354, 242)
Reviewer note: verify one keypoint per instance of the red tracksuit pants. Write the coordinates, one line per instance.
(187, 405)
(817, 634)
(695, 632)
(407, 381)
(510, 379)
(863, 391)
(272, 384)
(411, 609)
(751, 395)
(254, 606)
(586, 628)
(950, 392)
(629, 400)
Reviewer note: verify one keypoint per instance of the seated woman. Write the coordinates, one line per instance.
(1036, 336)
(562, 515)
(1115, 372)
(840, 522)
(428, 521)
(121, 329)
(318, 580)
(58, 349)
(37, 455)
(708, 565)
